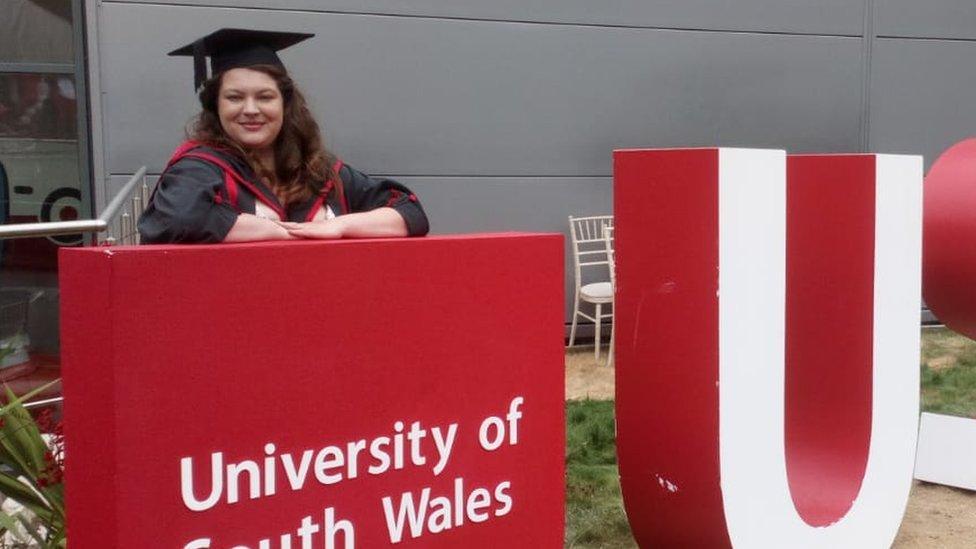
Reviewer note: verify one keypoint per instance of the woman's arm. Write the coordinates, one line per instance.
(365, 194)
(381, 222)
(249, 228)
(185, 207)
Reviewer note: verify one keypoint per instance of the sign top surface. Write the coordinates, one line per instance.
(427, 240)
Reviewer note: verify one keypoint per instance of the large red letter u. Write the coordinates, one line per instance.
(767, 323)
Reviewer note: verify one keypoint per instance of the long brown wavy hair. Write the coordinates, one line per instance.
(302, 164)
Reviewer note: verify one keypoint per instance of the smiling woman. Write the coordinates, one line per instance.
(254, 167)
(250, 108)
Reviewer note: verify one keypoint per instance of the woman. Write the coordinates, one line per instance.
(255, 168)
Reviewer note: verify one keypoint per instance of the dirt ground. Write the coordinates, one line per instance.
(938, 517)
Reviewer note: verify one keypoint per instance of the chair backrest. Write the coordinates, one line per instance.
(611, 254)
(588, 246)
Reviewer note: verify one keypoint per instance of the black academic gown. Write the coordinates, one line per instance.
(193, 204)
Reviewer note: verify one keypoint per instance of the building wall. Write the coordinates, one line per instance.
(503, 115)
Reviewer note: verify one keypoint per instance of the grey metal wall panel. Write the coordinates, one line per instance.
(925, 19)
(844, 17)
(485, 204)
(480, 204)
(921, 95)
(448, 97)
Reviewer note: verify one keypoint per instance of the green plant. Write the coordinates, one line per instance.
(31, 474)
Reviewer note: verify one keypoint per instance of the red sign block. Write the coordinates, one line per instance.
(318, 394)
(767, 352)
(949, 264)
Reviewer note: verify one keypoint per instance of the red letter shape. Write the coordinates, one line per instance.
(767, 374)
(949, 264)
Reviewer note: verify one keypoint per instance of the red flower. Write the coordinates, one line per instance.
(45, 420)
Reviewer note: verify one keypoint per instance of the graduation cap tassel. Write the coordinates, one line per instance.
(199, 64)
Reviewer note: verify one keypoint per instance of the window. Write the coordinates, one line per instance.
(44, 163)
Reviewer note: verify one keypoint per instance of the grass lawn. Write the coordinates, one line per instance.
(594, 511)
(948, 373)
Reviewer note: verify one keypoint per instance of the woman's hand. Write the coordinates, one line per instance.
(328, 229)
(381, 222)
(250, 228)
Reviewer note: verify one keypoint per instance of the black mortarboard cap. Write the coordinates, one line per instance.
(235, 48)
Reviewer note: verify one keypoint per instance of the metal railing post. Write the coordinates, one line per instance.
(126, 228)
(136, 212)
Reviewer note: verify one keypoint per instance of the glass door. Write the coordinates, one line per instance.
(44, 170)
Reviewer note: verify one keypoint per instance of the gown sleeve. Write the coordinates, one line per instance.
(365, 193)
(187, 206)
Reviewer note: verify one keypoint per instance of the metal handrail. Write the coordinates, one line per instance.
(97, 225)
(52, 228)
(45, 402)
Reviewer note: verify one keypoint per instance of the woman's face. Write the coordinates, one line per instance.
(250, 108)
